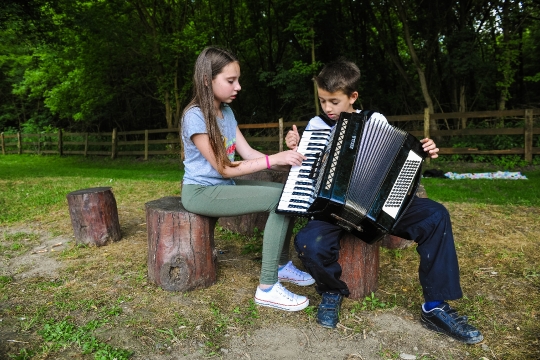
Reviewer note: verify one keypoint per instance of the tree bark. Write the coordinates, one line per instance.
(360, 266)
(181, 253)
(94, 216)
(419, 67)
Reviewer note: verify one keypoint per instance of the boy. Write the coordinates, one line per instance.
(425, 221)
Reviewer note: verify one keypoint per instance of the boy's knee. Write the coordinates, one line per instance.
(437, 212)
(440, 212)
(301, 244)
(307, 248)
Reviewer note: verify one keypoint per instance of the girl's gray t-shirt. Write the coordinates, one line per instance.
(197, 170)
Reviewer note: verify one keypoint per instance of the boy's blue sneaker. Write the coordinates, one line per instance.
(446, 320)
(328, 313)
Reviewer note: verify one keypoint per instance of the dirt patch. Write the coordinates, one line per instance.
(41, 260)
(388, 330)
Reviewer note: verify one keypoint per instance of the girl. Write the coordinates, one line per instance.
(211, 137)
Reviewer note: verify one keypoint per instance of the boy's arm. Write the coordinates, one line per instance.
(293, 138)
(430, 147)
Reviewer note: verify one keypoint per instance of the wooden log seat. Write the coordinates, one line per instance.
(94, 216)
(246, 224)
(360, 265)
(181, 253)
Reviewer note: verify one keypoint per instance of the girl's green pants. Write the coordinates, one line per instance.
(247, 197)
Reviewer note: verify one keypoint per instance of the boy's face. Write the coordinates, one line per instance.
(335, 103)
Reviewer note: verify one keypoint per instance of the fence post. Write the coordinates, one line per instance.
(528, 135)
(19, 143)
(60, 143)
(145, 144)
(85, 144)
(3, 143)
(113, 150)
(280, 134)
(39, 144)
(427, 115)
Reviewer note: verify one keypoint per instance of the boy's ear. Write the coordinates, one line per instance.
(353, 97)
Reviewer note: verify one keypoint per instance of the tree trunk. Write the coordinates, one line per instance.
(419, 67)
(181, 253)
(463, 106)
(94, 216)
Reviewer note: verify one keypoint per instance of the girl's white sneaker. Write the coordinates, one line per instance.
(291, 274)
(281, 298)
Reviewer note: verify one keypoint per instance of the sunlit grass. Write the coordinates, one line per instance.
(33, 186)
(481, 191)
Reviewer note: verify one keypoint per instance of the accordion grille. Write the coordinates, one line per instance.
(335, 158)
(324, 161)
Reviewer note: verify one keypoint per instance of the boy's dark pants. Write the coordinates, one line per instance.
(425, 221)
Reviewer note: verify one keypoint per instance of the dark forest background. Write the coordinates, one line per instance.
(101, 64)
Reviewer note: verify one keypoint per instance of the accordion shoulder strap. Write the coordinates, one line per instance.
(367, 113)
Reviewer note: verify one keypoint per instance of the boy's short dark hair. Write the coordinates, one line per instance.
(339, 75)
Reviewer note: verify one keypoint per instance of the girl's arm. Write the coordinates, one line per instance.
(248, 153)
(202, 142)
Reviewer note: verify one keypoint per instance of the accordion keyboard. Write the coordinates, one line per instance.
(298, 192)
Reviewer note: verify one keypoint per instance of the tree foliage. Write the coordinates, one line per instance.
(92, 65)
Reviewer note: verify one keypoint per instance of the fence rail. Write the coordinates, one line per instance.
(152, 142)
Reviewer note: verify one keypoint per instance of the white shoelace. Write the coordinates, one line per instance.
(293, 269)
(283, 291)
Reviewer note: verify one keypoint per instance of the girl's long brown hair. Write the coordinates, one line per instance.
(209, 64)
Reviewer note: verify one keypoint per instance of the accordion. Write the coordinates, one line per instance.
(361, 175)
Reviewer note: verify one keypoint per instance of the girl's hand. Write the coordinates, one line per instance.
(293, 138)
(430, 147)
(289, 157)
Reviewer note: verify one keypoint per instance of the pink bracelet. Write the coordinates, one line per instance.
(267, 162)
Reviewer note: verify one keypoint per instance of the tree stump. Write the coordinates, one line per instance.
(395, 242)
(360, 265)
(245, 224)
(94, 216)
(181, 253)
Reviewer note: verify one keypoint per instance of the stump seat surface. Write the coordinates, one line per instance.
(181, 254)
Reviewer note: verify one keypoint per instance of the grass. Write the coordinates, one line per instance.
(32, 186)
(481, 191)
(100, 306)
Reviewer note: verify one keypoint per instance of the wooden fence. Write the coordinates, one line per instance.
(166, 141)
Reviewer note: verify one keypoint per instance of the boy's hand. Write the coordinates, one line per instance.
(430, 147)
(293, 138)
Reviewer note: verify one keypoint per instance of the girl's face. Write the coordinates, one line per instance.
(225, 85)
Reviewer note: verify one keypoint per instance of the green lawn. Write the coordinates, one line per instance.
(481, 191)
(33, 185)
